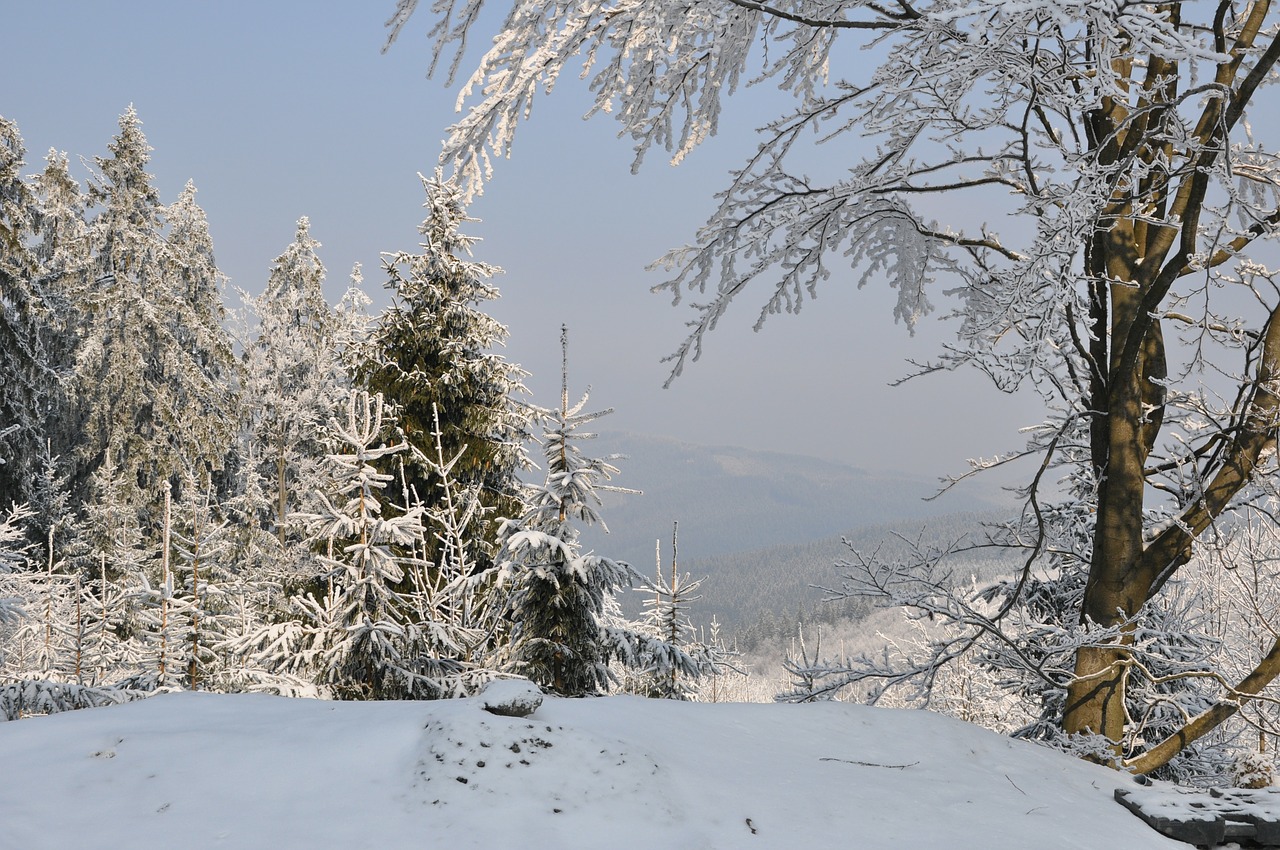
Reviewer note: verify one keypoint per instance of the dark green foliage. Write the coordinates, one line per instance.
(433, 350)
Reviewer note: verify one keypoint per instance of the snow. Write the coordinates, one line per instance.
(511, 697)
(254, 771)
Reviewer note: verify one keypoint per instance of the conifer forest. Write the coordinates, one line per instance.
(291, 497)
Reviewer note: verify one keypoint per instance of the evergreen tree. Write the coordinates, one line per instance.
(562, 599)
(668, 640)
(432, 350)
(112, 555)
(205, 373)
(26, 377)
(63, 250)
(151, 370)
(113, 393)
(373, 650)
(354, 323)
(201, 549)
(294, 376)
(14, 551)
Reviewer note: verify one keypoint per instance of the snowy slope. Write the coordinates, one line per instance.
(247, 771)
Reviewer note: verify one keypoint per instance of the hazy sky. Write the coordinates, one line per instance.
(282, 109)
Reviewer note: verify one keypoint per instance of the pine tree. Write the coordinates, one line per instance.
(432, 350)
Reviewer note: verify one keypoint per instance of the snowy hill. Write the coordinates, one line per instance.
(248, 771)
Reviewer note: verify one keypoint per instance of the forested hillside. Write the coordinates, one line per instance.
(762, 594)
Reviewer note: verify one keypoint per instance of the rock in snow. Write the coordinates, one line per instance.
(511, 697)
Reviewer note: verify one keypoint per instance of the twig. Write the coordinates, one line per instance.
(873, 764)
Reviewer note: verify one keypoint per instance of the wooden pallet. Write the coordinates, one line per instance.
(1209, 817)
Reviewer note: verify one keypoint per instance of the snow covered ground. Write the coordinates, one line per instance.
(245, 771)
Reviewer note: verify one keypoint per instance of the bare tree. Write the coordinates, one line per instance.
(1111, 144)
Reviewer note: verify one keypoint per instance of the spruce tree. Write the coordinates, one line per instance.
(368, 649)
(112, 386)
(562, 606)
(294, 378)
(432, 350)
(63, 250)
(204, 371)
(26, 376)
(151, 369)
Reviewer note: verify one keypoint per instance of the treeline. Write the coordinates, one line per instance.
(329, 504)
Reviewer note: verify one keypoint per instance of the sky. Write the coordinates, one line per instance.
(284, 109)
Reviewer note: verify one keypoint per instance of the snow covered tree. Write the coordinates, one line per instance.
(670, 658)
(432, 355)
(14, 550)
(293, 377)
(25, 316)
(112, 390)
(205, 373)
(112, 554)
(150, 368)
(560, 598)
(370, 647)
(456, 614)
(202, 549)
(354, 323)
(63, 250)
(1117, 268)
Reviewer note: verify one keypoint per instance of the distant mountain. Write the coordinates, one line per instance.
(761, 525)
(735, 500)
(762, 594)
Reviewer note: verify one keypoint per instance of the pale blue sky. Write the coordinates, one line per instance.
(283, 109)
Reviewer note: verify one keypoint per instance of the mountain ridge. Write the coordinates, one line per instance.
(741, 511)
